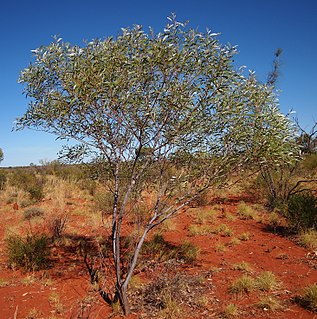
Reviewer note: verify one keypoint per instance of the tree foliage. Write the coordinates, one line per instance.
(1, 155)
(167, 111)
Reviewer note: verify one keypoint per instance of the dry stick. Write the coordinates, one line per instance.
(16, 312)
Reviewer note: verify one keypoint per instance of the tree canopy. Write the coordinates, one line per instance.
(1, 155)
(169, 105)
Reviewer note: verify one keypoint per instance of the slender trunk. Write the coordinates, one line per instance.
(123, 299)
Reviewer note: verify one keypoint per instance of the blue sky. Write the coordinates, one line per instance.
(257, 27)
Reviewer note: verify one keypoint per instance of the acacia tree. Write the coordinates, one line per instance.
(169, 108)
(1, 155)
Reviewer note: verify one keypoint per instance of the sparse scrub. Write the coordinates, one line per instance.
(234, 241)
(195, 230)
(205, 217)
(12, 194)
(3, 282)
(230, 311)
(244, 236)
(244, 266)
(55, 302)
(274, 219)
(220, 247)
(245, 211)
(309, 298)
(57, 224)
(30, 253)
(166, 296)
(269, 303)
(308, 239)
(229, 216)
(244, 284)
(267, 281)
(223, 230)
(32, 212)
(188, 252)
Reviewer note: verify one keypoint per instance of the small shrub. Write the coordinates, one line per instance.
(244, 284)
(274, 219)
(244, 266)
(30, 253)
(245, 212)
(220, 248)
(223, 230)
(195, 230)
(309, 298)
(230, 311)
(234, 241)
(245, 236)
(267, 281)
(302, 211)
(188, 252)
(205, 216)
(269, 303)
(33, 212)
(308, 239)
(57, 225)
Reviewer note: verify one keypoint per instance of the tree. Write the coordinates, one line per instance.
(1, 155)
(167, 112)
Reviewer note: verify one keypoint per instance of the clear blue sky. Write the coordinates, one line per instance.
(257, 27)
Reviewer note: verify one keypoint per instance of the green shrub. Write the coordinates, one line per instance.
(28, 181)
(302, 211)
(30, 253)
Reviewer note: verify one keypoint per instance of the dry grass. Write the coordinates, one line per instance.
(246, 212)
(267, 281)
(230, 311)
(244, 284)
(244, 236)
(308, 239)
(195, 230)
(243, 266)
(309, 298)
(269, 303)
(12, 194)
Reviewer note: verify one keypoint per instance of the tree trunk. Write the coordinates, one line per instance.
(123, 299)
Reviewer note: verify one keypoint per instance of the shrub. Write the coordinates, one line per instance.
(309, 298)
(244, 284)
(188, 252)
(3, 179)
(57, 225)
(269, 303)
(244, 236)
(244, 266)
(230, 311)
(33, 212)
(266, 281)
(195, 230)
(302, 211)
(31, 253)
(245, 212)
(308, 239)
(30, 182)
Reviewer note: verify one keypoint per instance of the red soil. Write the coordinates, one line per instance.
(64, 290)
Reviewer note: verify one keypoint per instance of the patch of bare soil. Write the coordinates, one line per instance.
(64, 290)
